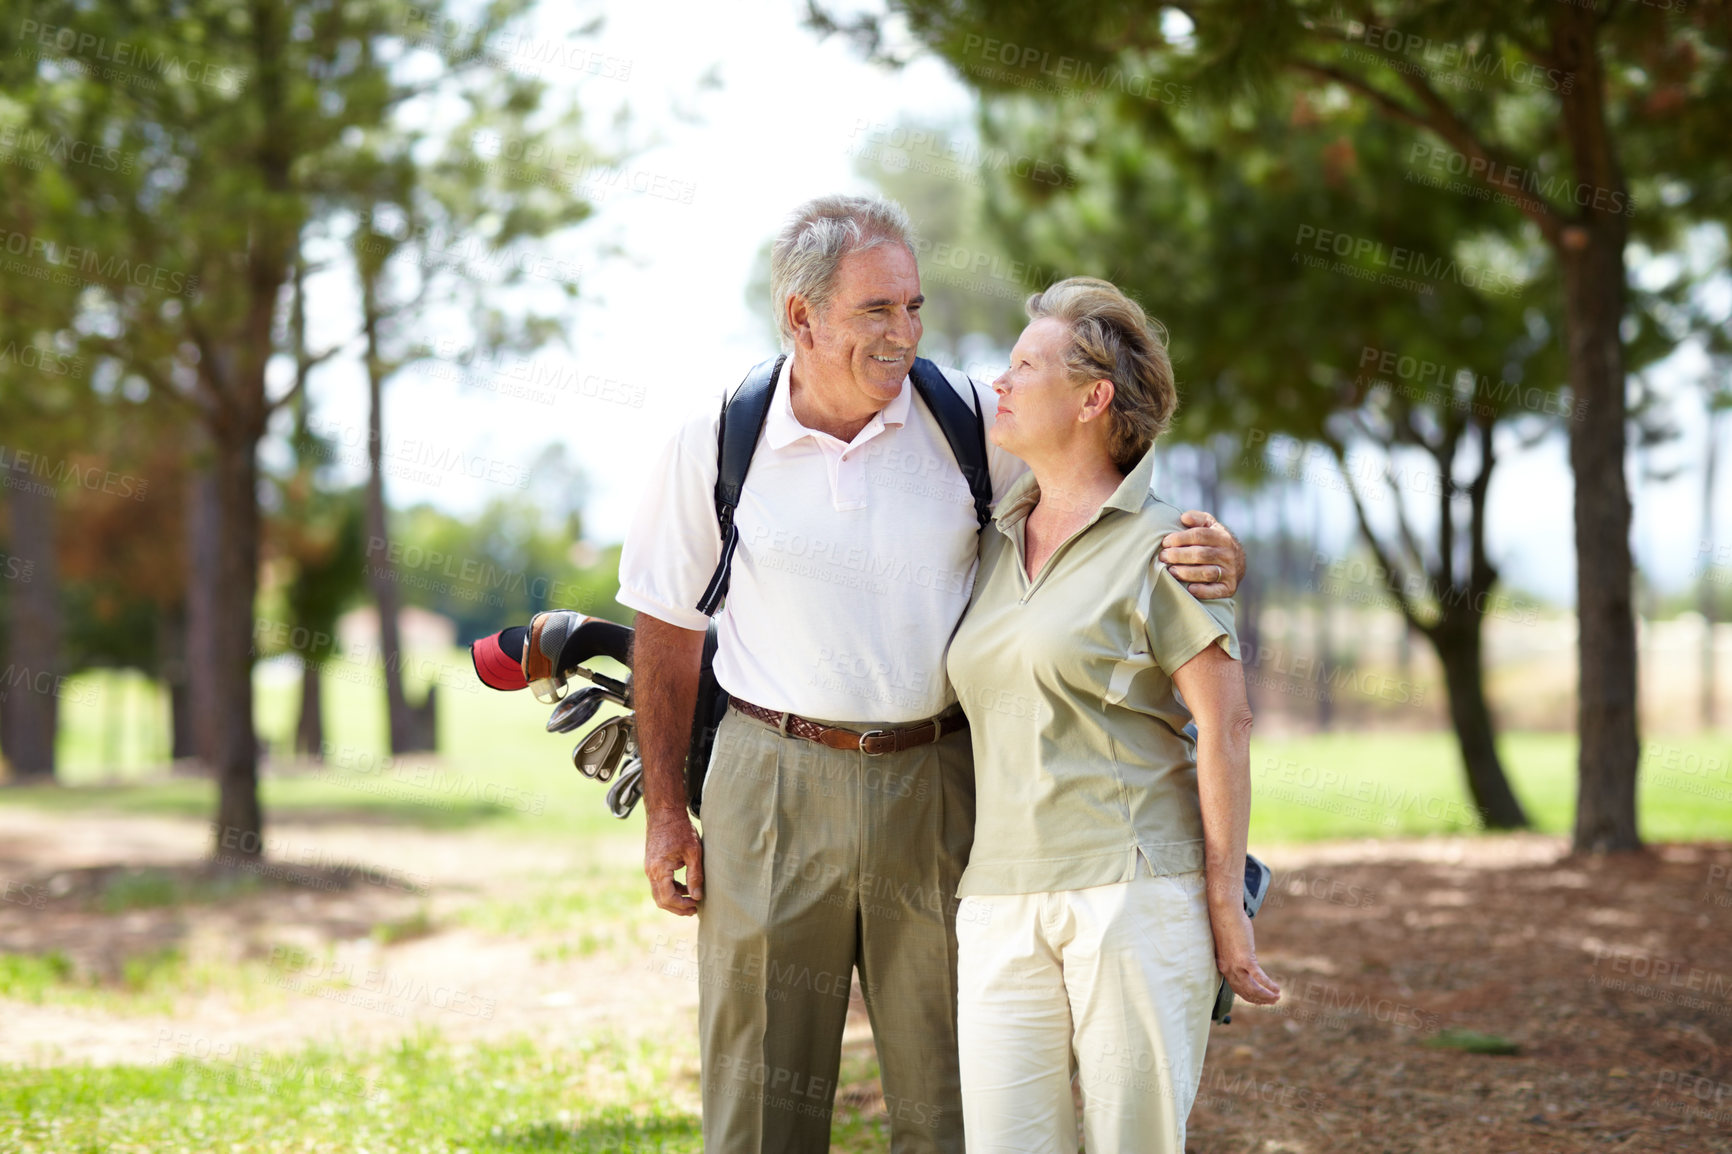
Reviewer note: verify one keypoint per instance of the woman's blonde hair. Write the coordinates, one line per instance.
(1112, 337)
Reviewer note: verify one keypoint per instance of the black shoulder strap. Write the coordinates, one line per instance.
(963, 427)
(743, 416)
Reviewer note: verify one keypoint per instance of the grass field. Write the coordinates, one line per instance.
(603, 1094)
(422, 1094)
(498, 767)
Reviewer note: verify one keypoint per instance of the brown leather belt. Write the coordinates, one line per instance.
(873, 742)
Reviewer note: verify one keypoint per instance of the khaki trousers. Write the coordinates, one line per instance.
(1116, 982)
(818, 862)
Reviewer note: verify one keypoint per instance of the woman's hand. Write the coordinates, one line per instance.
(1236, 958)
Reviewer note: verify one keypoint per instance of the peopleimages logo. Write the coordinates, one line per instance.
(1670, 980)
(1557, 187)
(62, 150)
(1361, 250)
(1421, 380)
(43, 360)
(1423, 50)
(71, 262)
(928, 150)
(124, 54)
(1068, 71)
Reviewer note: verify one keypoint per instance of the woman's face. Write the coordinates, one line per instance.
(1039, 406)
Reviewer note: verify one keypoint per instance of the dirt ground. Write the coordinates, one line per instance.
(1449, 994)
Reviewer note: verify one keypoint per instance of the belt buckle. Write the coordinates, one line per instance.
(871, 733)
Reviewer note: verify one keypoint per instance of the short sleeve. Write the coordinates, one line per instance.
(1180, 626)
(672, 547)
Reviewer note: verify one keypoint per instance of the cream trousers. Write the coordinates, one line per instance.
(1113, 984)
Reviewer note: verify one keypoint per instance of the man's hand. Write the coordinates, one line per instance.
(665, 664)
(1206, 557)
(670, 845)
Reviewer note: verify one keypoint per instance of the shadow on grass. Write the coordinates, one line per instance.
(676, 1133)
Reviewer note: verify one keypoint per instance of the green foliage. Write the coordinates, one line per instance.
(1202, 146)
(324, 534)
(502, 566)
(29, 977)
(1472, 1042)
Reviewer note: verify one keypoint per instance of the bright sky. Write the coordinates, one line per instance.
(661, 329)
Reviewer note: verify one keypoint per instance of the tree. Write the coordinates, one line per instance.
(319, 531)
(46, 404)
(235, 115)
(1410, 395)
(409, 215)
(1579, 96)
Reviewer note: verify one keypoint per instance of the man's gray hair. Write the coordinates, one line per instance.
(817, 235)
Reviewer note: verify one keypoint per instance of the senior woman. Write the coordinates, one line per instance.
(1103, 897)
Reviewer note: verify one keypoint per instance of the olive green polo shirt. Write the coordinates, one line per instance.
(1081, 764)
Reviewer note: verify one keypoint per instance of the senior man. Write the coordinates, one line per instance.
(856, 555)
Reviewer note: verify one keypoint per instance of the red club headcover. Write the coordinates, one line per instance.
(495, 665)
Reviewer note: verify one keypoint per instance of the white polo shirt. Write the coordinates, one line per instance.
(855, 559)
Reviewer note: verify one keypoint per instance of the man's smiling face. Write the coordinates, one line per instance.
(868, 333)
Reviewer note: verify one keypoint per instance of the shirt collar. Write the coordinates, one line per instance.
(782, 428)
(1024, 493)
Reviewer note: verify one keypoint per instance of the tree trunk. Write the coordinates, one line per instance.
(30, 693)
(410, 727)
(171, 630)
(1458, 648)
(240, 823)
(180, 726)
(1323, 646)
(203, 589)
(1606, 708)
(1457, 633)
(310, 731)
(1250, 597)
(1591, 258)
(1705, 599)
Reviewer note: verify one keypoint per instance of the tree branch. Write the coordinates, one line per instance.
(1456, 131)
(1395, 576)
(1388, 103)
(193, 403)
(1443, 122)
(210, 369)
(1481, 574)
(302, 372)
(1444, 455)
